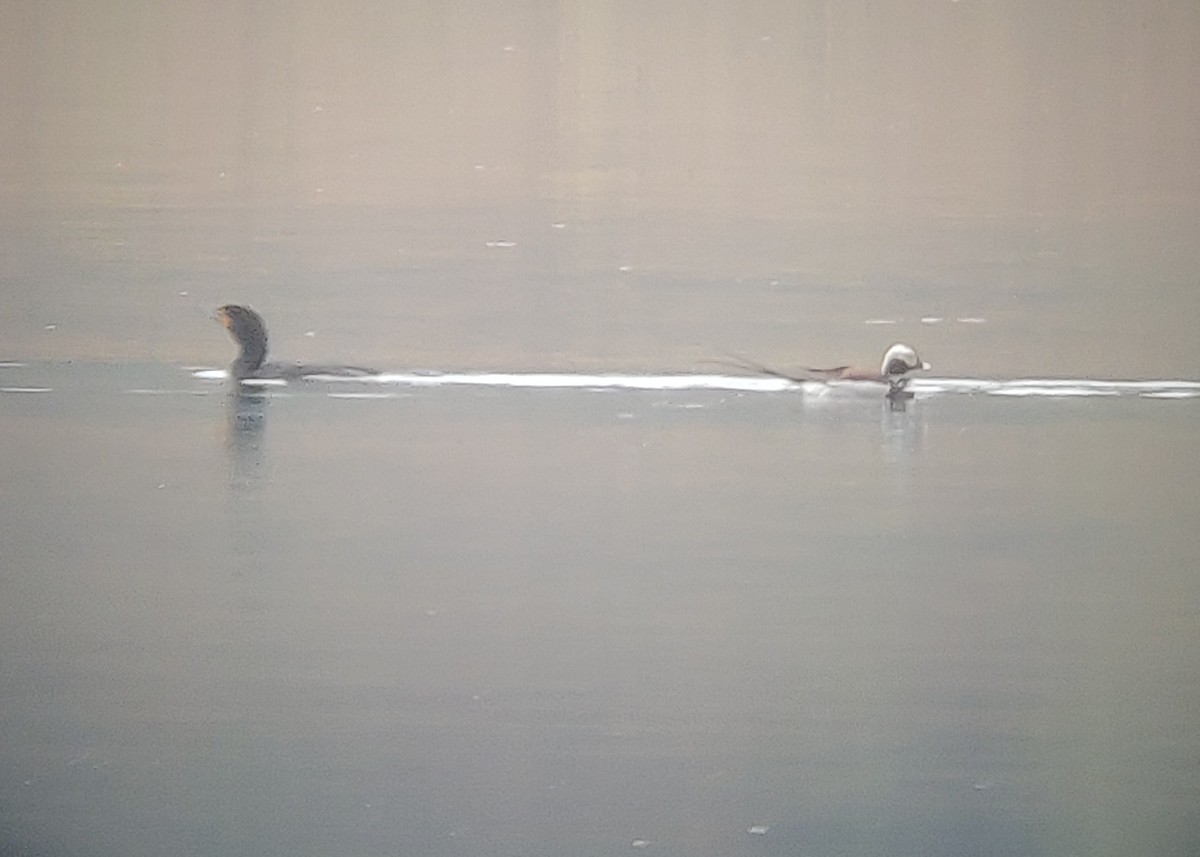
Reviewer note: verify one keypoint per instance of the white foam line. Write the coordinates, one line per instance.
(1050, 386)
(952, 385)
(10, 364)
(263, 382)
(1102, 385)
(592, 382)
(26, 389)
(1063, 392)
(1171, 394)
(1027, 387)
(146, 392)
(363, 395)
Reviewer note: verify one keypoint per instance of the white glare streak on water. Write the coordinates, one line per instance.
(920, 387)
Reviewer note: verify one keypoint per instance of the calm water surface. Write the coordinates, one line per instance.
(494, 620)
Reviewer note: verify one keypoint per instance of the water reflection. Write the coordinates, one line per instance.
(246, 420)
(245, 445)
(903, 427)
(897, 400)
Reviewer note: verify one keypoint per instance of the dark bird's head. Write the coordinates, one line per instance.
(250, 333)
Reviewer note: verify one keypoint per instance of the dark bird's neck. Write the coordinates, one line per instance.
(249, 361)
(251, 335)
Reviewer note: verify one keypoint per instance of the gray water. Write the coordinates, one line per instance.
(495, 621)
(397, 616)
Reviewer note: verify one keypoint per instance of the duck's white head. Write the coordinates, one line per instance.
(899, 360)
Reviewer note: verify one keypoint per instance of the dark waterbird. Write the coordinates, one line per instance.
(249, 331)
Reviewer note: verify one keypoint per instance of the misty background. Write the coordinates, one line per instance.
(657, 182)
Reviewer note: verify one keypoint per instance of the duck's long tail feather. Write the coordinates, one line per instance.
(735, 361)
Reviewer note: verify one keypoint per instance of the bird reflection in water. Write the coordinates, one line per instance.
(903, 430)
(246, 420)
(245, 444)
